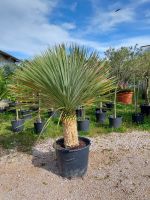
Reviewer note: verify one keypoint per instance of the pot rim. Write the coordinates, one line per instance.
(112, 117)
(103, 111)
(86, 119)
(124, 92)
(56, 147)
(39, 122)
(137, 114)
(19, 120)
(146, 105)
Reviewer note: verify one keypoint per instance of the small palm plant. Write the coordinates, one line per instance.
(67, 77)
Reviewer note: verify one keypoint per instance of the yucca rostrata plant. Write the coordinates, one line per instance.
(67, 77)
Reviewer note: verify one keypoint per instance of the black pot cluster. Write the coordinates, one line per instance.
(18, 126)
(138, 118)
(101, 117)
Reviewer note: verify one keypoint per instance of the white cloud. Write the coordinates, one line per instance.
(105, 19)
(68, 26)
(140, 40)
(24, 27)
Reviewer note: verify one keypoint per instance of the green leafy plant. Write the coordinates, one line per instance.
(122, 63)
(3, 85)
(9, 69)
(67, 77)
(142, 73)
(144, 64)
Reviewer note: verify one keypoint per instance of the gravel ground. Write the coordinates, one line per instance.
(119, 169)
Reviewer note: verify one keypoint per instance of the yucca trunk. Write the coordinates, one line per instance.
(70, 131)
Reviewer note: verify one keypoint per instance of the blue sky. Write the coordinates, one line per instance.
(28, 27)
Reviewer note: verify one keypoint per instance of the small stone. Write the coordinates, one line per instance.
(44, 183)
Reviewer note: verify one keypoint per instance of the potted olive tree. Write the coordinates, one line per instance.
(144, 66)
(14, 90)
(38, 124)
(137, 117)
(67, 77)
(115, 121)
(17, 123)
(121, 62)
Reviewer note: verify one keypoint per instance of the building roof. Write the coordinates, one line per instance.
(148, 45)
(7, 56)
(145, 48)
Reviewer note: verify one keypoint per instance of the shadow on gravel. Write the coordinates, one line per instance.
(45, 160)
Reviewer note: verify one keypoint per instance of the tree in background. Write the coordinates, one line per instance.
(122, 63)
(2, 84)
(143, 73)
(6, 72)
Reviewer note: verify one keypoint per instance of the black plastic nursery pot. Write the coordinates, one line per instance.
(109, 105)
(100, 116)
(72, 162)
(52, 114)
(26, 114)
(99, 110)
(145, 109)
(34, 108)
(138, 118)
(17, 125)
(2, 110)
(38, 126)
(83, 125)
(12, 104)
(143, 95)
(115, 122)
(79, 112)
(12, 110)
